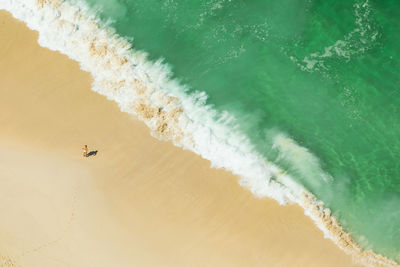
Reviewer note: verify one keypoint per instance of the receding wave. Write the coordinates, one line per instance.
(146, 90)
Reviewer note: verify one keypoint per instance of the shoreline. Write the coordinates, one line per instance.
(165, 125)
(139, 201)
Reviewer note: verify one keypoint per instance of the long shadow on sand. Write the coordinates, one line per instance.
(92, 153)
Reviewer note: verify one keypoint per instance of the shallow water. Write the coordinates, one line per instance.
(313, 84)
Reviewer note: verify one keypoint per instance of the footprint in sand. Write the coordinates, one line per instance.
(6, 262)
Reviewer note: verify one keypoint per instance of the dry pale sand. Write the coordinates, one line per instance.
(139, 201)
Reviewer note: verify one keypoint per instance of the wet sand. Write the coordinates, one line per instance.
(139, 201)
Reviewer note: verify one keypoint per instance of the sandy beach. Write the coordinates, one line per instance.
(139, 201)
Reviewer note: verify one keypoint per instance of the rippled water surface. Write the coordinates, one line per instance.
(313, 84)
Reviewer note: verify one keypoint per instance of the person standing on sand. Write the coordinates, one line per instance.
(85, 151)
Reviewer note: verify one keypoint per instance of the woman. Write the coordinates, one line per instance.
(85, 151)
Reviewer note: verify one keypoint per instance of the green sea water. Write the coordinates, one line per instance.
(322, 73)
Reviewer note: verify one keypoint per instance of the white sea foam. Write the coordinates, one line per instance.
(146, 90)
(357, 41)
(304, 163)
(74, 30)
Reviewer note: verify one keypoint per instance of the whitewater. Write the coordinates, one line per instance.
(146, 89)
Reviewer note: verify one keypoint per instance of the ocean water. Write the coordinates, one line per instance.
(304, 90)
(314, 85)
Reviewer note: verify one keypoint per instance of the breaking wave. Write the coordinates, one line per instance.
(145, 89)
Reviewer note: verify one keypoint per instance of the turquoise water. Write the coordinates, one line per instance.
(323, 73)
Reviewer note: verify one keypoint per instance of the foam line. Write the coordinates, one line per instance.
(145, 89)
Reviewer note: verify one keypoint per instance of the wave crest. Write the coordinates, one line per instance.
(145, 89)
